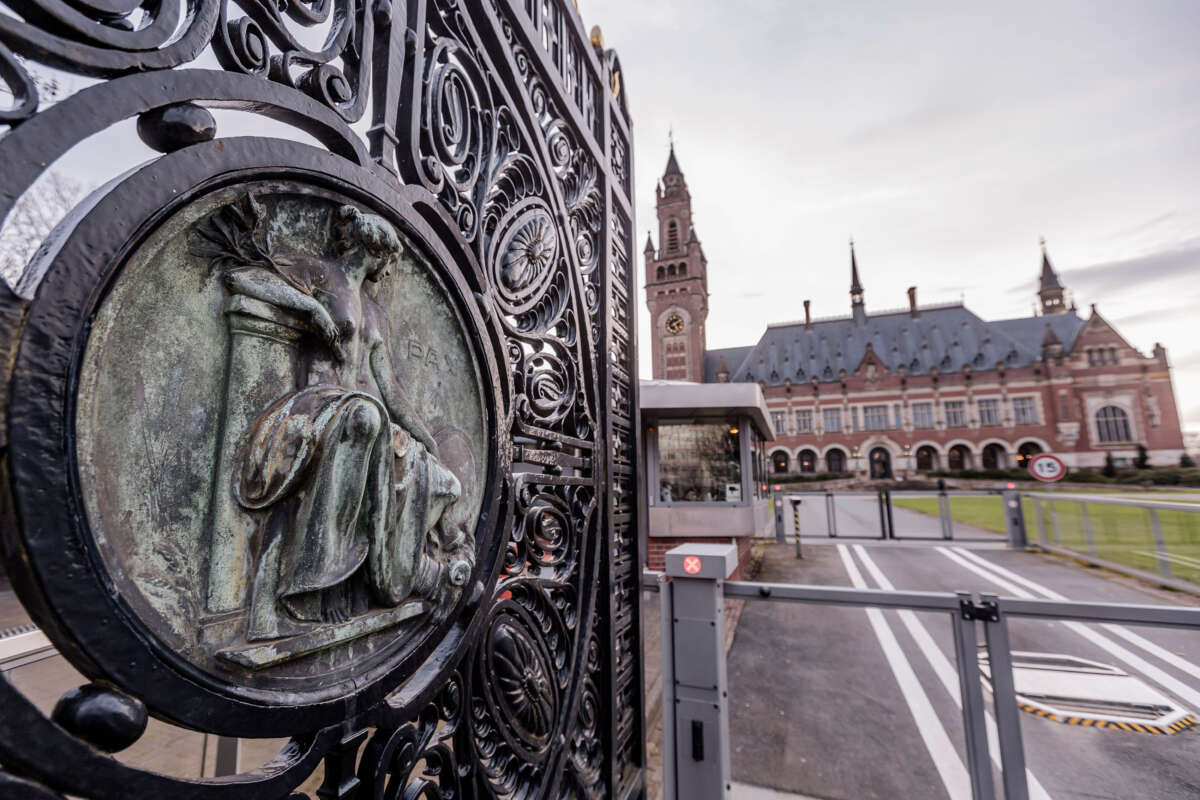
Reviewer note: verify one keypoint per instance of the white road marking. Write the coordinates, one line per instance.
(1181, 690)
(945, 671)
(1181, 664)
(945, 758)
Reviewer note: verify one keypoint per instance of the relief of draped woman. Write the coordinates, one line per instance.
(359, 506)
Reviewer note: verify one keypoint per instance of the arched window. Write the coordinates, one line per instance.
(683, 269)
(780, 462)
(927, 458)
(672, 235)
(960, 457)
(1112, 424)
(1026, 452)
(671, 271)
(995, 457)
(662, 273)
(835, 461)
(808, 461)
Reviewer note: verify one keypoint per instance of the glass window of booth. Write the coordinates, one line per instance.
(700, 463)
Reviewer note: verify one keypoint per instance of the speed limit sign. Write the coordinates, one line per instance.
(1047, 467)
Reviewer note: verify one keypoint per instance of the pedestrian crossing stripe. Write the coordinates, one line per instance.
(1093, 722)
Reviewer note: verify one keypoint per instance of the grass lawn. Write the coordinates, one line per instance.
(983, 512)
(1120, 534)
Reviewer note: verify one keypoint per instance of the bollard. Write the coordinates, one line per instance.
(780, 533)
(796, 501)
(696, 702)
(1014, 519)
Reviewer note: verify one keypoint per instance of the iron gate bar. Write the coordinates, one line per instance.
(482, 125)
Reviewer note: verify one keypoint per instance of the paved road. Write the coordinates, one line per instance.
(850, 703)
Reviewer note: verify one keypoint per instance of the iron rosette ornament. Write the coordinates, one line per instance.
(310, 441)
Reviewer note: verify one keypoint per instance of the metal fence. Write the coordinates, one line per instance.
(1151, 539)
(882, 514)
(696, 751)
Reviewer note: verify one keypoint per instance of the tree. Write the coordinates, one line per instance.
(31, 220)
(1186, 461)
(1110, 467)
(1143, 458)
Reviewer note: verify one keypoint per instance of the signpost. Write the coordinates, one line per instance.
(1047, 467)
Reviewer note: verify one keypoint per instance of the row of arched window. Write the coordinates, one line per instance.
(671, 271)
(958, 457)
(1112, 427)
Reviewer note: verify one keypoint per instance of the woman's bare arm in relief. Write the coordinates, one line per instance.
(264, 285)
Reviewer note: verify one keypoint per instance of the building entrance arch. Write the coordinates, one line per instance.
(881, 463)
(808, 461)
(927, 458)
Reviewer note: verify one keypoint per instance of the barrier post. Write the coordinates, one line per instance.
(699, 712)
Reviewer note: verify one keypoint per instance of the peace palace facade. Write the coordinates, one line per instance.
(923, 388)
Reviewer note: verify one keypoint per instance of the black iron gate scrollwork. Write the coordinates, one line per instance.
(329, 441)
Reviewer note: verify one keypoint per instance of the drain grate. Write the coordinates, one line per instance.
(1077, 691)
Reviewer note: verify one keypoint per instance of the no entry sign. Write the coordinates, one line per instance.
(1047, 467)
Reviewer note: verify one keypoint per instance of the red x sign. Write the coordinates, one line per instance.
(691, 564)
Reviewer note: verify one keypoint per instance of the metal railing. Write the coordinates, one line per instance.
(1154, 540)
(882, 524)
(683, 619)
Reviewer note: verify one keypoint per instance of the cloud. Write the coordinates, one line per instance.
(1177, 261)
(1157, 315)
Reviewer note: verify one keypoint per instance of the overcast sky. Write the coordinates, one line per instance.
(945, 137)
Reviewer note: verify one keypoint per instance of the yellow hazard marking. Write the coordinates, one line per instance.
(1092, 722)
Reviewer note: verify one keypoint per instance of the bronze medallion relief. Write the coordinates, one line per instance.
(281, 438)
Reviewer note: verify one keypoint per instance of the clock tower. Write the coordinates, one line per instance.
(676, 283)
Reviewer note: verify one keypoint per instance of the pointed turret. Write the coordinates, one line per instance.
(672, 163)
(1050, 289)
(649, 248)
(857, 307)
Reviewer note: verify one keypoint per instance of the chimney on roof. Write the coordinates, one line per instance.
(912, 303)
(808, 315)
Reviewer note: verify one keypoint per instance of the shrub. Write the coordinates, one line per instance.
(1143, 458)
(1110, 467)
(1186, 461)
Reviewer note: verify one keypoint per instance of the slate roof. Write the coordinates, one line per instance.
(947, 337)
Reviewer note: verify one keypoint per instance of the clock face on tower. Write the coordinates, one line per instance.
(674, 324)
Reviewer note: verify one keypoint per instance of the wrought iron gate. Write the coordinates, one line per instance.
(333, 443)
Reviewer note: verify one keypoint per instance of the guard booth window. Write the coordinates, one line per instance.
(699, 463)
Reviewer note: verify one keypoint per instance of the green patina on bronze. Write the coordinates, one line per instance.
(299, 425)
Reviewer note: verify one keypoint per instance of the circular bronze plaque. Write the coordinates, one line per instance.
(282, 447)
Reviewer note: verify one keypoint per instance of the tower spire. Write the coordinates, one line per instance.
(857, 307)
(672, 162)
(856, 289)
(1051, 292)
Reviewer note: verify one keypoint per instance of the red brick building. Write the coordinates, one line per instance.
(923, 387)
